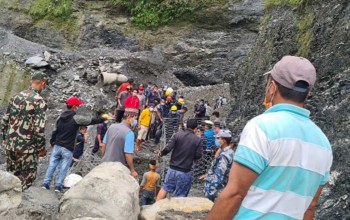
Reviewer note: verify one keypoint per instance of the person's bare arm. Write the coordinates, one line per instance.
(86, 137)
(310, 212)
(117, 92)
(130, 162)
(99, 139)
(229, 201)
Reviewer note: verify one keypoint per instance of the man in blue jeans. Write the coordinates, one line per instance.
(186, 147)
(63, 140)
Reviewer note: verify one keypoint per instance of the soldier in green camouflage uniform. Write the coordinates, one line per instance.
(23, 131)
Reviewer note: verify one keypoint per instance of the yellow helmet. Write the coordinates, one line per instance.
(173, 108)
(181, 101)
(106, 116)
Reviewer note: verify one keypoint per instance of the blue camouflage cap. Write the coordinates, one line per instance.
(224, 134)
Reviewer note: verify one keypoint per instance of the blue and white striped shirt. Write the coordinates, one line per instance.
(292, 158)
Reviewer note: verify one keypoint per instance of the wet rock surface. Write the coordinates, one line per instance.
(328, 51)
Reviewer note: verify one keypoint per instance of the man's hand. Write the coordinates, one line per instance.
(42, 153)
(203, 177)
(102, 145)
(134, 174)
(3, 143)
(159, 154)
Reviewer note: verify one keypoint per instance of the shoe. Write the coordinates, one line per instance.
(45, 186)
(59, 189)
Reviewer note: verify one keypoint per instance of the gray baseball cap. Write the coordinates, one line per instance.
(224, 134)
(291, 69)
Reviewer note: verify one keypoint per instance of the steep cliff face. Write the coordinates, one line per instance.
(318, 30)
(198, 53)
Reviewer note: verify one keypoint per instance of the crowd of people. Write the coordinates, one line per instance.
(281, 155)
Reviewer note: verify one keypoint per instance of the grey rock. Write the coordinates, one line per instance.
(47, 56)
(328, 204)
(188, 205)
(36, 61)
(108, 191)
(89, 218)
(10, 191)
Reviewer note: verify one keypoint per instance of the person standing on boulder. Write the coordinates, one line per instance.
(185, 147)
(23, 126)
(282, 155)
(119, 141)
(63, 141)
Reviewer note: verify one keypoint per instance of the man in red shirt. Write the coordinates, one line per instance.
(132, 101)
(123, 86)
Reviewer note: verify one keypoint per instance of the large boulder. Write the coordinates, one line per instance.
(10, 191)
(108, 191)
(185, 205)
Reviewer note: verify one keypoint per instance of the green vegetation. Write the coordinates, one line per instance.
(306, 19)
(57, 14)
(51, 9)
(154, 13)
(12, 80)
(273, 3)
(305, 35)
(144, 13)
(9, 87)
(268, 4)
(264, 22)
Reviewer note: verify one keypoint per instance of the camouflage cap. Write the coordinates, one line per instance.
(40, 75)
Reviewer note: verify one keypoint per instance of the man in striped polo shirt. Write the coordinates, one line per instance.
(283, 159)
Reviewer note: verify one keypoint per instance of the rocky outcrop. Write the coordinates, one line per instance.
(10, 192)
(186, 205)
(318, 30)
(108, 191)
(197, 54)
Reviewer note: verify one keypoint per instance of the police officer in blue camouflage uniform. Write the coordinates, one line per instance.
(22, 130)
(218, 174)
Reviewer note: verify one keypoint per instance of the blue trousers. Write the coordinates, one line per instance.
(59, 156)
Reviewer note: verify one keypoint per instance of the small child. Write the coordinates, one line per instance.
(150, 185)
(82, 138)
